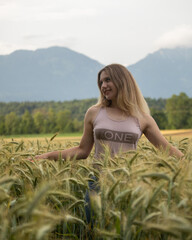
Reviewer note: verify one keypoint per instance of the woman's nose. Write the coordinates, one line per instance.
(104, 84)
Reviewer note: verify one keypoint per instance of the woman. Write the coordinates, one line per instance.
(118, 120)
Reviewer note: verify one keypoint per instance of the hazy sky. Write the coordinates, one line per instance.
(121, 31)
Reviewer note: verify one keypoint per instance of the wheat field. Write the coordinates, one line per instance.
(144, 194)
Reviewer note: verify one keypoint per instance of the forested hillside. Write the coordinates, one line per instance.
(43, 117)
(63, 117)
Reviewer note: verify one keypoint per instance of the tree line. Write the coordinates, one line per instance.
(65, 117)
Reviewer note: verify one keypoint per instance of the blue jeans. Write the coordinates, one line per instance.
(93, 187)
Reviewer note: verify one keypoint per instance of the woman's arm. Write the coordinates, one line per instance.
(153, 134)
(83, 150)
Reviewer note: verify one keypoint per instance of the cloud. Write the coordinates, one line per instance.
(181, 36)
(33, 36)
(22, 11)
(5, 2)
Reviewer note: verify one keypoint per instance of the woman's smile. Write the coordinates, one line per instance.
(106, 92)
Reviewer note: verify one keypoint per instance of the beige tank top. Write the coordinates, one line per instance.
(118, 135)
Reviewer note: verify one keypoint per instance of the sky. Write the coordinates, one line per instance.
(109, 31)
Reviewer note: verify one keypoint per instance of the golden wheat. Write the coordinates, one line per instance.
(144, 194)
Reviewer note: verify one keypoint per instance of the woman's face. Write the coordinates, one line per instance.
(108, 88)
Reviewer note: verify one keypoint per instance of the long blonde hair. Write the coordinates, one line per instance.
(129, 97)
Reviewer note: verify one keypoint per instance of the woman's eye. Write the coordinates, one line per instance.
(107, 79)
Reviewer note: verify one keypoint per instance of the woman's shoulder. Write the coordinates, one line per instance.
(93, 109)
(145, 120)
(92, 112)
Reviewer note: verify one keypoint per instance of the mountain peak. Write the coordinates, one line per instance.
(164, 72)
(55, 73)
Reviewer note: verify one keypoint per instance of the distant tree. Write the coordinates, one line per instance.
(78, 125)
(178, 110)
(189, 120)
(156, 104)
(51, 116)
(69, 127)
(62, 120)
(2, 125)
(160, 118)
(38, 118)
(12, 122)
(27, 123)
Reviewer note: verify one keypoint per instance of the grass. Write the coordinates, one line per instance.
(144, 194)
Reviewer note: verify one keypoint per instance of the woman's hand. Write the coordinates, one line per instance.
(41, 156)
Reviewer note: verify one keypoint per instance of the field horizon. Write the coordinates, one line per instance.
(178, 133)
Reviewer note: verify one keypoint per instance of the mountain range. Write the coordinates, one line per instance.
(60, 74)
